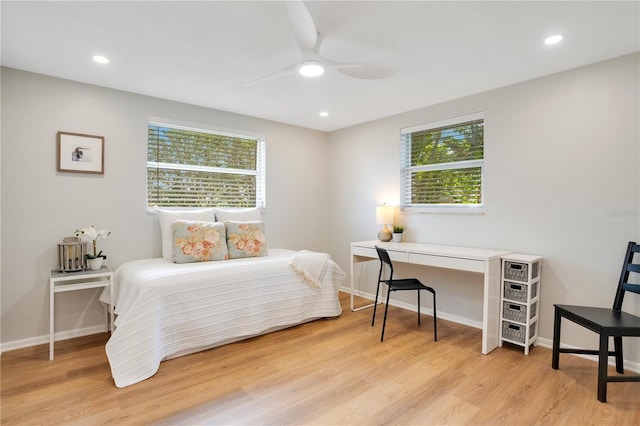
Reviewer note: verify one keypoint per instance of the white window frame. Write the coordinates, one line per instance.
(406, 170)
(260, 171)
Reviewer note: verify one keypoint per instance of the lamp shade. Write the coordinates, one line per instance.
(384, 215)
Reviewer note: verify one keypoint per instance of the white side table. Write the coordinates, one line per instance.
(70, 281)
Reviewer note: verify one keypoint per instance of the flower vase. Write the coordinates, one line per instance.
(95, 264)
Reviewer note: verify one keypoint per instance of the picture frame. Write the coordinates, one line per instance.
(80, 153)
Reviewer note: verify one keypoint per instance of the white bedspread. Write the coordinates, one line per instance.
(165, 308)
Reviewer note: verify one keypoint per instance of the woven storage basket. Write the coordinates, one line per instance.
(515, 332)
(517, 312)
(518, 292)
(516, 271)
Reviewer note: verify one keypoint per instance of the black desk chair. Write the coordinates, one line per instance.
(606, 322)
(400, 285)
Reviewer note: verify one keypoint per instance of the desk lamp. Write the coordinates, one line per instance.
(384, 216)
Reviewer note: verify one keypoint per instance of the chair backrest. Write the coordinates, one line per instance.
(383, 255)
(628, 267)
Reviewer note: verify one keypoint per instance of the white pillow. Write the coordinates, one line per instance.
(240, 215)
(167, 217)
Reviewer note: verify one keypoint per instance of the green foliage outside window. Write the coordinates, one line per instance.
(445, 165)
(187, 168)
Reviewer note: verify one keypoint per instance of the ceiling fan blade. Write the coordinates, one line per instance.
(365, 71)
(278, 74)
(303, 26)
(309, 41)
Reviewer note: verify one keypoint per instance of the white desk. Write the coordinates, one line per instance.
(482, 261)
(71, 281)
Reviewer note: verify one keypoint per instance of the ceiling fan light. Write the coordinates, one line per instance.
(554, 39)
(311, 68)
(101, 59)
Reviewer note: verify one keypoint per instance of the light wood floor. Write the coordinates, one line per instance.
(328, 372)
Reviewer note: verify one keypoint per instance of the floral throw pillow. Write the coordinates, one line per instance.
(246, 239)
(199, 241)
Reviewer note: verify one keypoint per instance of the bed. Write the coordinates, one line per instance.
(166, 309)
(216, 283)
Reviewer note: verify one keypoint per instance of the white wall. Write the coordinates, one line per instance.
(41, 206)
(562, 181)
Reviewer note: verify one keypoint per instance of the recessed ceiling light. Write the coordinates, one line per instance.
(553, 39)
(311, 68)
(324, 114)
(101, 59)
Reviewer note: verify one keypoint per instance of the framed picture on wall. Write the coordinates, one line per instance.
(80, 153)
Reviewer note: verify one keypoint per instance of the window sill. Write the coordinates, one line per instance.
(444, 210)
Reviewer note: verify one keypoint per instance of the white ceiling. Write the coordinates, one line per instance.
(205, 52)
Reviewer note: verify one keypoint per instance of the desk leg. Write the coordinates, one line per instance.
(351, 297)
(491, 306)
(361, 307)
(51, 318)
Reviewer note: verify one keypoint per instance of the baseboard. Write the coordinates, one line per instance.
(545, 343)
(64, 335)
(628, 365)
(40, 340)
(412, 307)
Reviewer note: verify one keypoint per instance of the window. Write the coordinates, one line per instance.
(188, 167)
(442, 164)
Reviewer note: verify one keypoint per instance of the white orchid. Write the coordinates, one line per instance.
(91, 234)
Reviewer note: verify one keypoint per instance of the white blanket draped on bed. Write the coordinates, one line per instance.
(165, 308)
(310, 266)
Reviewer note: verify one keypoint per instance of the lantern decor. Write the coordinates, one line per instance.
(71, 253)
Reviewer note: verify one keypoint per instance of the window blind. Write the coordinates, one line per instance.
(442, 164)
(199, 168)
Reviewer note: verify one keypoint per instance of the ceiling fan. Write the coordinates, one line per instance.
(312, 64)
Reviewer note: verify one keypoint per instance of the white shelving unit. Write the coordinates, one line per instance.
(520, 303)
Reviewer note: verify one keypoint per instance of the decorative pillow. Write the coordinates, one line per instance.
(246, 239)
(199, 241)
(243, 215)
(167, 217)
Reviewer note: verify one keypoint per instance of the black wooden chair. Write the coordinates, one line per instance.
(400, 285)
(606, 322)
